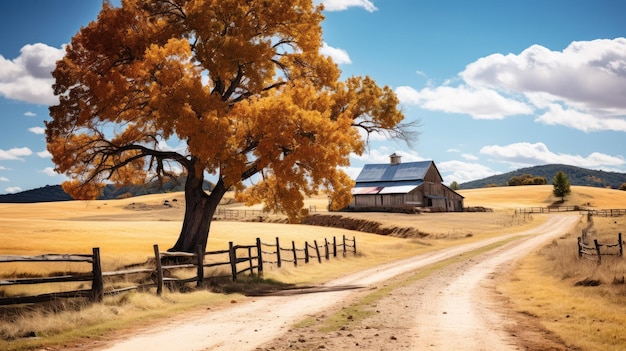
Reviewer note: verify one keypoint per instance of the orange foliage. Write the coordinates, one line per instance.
(241, 83)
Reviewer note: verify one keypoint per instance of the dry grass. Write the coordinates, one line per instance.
(577, 299)
(68, 321)
(125, 231)
(541, 195)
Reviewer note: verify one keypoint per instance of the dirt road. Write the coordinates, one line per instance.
(450, 310)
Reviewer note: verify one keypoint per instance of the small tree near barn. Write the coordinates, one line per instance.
(240, 86)
(561, 185)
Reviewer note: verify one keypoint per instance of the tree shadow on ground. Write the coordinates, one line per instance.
(258, 286)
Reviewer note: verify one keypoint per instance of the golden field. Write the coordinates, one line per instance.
(126, 229)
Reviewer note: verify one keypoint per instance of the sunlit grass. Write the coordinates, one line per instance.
(38, 327)
(554, 285)
(126, 237)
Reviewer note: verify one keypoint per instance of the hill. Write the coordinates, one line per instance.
(54, 193)
(48, 193)
(577, 176)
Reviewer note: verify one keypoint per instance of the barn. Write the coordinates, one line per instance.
(397, 185)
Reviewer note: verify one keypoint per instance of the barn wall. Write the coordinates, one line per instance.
(441, 197)
(432, 175)
(386, 200)
(416, 198)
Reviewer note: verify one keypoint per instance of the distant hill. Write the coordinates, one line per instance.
(52, 193)
(47, 193)
(576, 175)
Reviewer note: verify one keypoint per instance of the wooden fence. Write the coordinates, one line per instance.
(94, 294)
(304, 254)
(527, 210)
(238, 259)
(616, 212)
(596, 251)
(228, 213)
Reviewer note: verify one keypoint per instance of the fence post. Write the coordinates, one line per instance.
(344, 246)
(334, 246)
(621, 248)
(97, 285)
(595, 241)
(317, 250)
(326, 251)
(232, 253)
(354, 243)
(580, 247)
(200, 263)
(295, 253)
(306, 252)
(159, 269)
(260, 257)
(278, 253)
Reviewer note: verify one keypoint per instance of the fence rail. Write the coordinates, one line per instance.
(94, 294)
(228, 213)
(293, 255)
(615, 212)
(596, 252)
(240, 259)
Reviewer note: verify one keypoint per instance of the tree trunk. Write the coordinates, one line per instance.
(199, 210)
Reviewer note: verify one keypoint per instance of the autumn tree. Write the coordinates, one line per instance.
(561, 185)
(241, 85)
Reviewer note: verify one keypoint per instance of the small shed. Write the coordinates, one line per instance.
(397, 185)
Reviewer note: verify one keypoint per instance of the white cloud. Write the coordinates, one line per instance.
(524, 154)
(49, 171)
(469, 157)
(4, 179)
(581, 87)
(15, 153)
(461, 172)
(587, 74)
(587, 77)
(28, 78)
(341, 5)
(381, 155)
(37, 130)
(339, 56)
(557, 115)
(479, 103)
(29, 114)
(164, 146)
(13, 189)
(44, 154)
(352, 172)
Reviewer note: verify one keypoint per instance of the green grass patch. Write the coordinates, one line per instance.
(307, 322)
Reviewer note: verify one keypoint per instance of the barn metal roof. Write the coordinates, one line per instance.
(370, 188)
(403, 189)
(394, 172)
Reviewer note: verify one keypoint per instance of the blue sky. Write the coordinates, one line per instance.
(495, 85)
